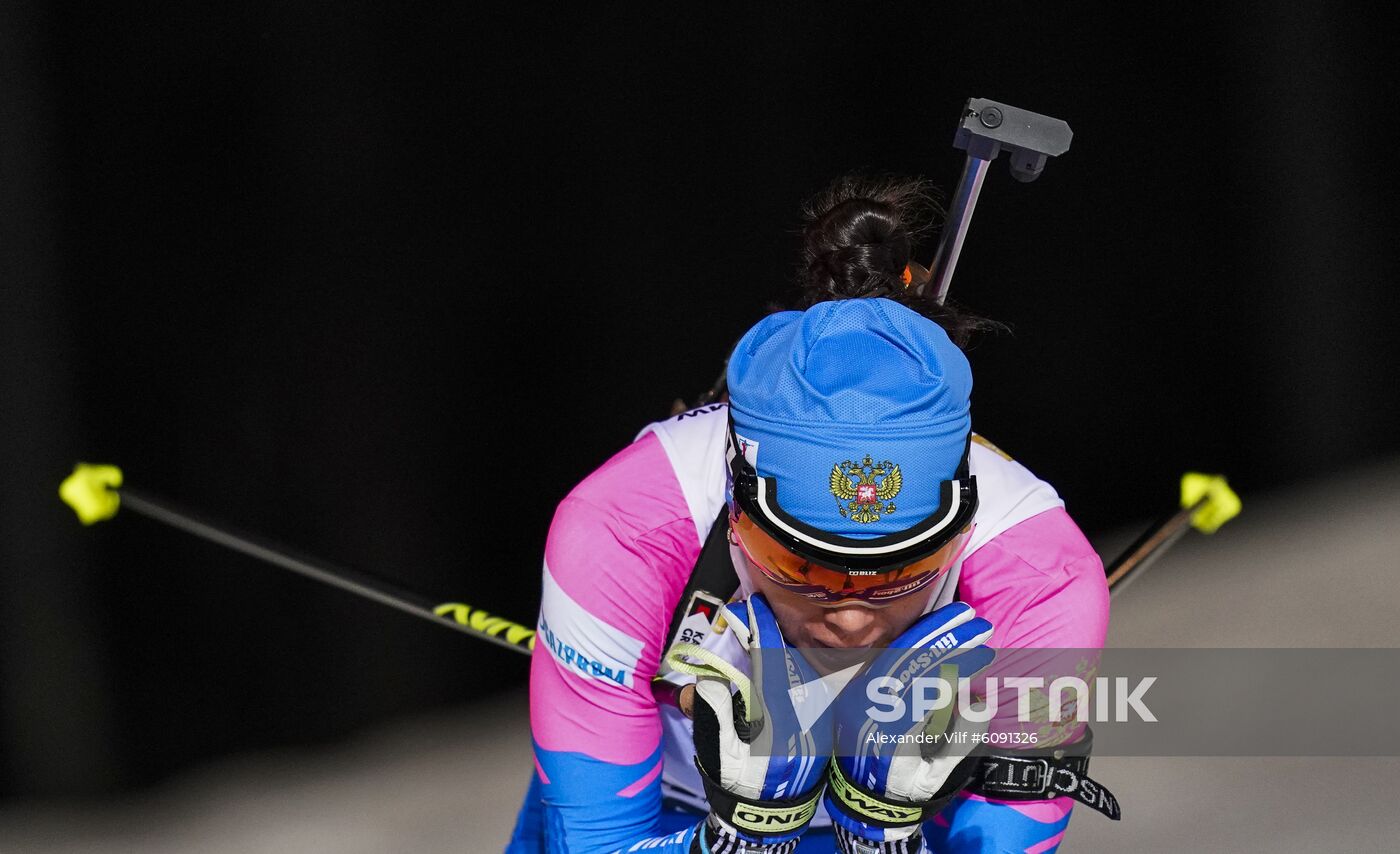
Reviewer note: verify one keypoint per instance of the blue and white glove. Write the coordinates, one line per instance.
(761, 747)
(898, 762)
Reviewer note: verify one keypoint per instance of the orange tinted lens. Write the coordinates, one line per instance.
(792, 570)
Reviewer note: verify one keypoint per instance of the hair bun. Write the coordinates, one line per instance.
(859, 237)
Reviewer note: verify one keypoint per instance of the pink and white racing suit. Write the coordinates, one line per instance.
(613, 770)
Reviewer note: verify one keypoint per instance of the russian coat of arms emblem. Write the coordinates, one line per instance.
(865, 491)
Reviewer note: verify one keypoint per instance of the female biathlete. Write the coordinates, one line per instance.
(862, 513)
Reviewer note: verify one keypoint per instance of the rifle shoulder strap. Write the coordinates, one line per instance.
(712, 581)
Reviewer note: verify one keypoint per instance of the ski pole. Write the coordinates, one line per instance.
(95, 492)
(1207, 502)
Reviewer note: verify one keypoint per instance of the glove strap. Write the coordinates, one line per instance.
(1038, 775)
(709, 664)
(862, 804)
(759, 819)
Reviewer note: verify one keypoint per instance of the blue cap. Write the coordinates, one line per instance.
(859, 385)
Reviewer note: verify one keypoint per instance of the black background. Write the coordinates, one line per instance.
(383, 282)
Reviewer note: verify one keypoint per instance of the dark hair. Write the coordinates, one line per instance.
(859, 235)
